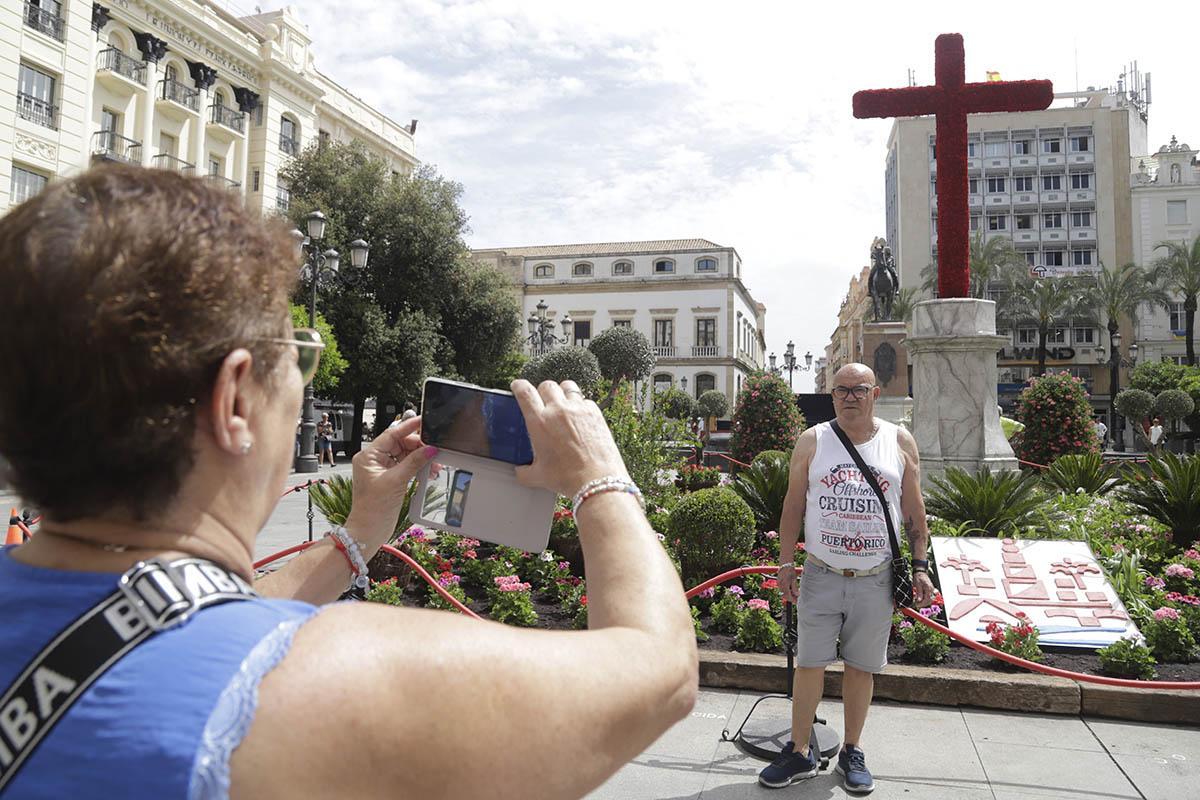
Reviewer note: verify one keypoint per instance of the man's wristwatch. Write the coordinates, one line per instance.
(919, 565)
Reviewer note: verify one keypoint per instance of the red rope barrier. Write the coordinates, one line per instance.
(302, 486)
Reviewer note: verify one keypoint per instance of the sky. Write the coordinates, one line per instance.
(571, 122)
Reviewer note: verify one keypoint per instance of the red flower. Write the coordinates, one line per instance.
(583, 601)
(770, 583)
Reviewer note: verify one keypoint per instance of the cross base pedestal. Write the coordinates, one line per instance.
(956, 419)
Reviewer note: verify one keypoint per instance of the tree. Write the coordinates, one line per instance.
(676, 404)
(332, 364)
(766, 418)
(713, 403)
(564, 364)
(1057, 417)
(1044, 301)
(988, 260)
(624, 354)
(1178, 273)
(1121, 292)
(481, 320)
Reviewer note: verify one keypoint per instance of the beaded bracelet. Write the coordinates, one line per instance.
(352, 550)
(609, 483)
(785, 564)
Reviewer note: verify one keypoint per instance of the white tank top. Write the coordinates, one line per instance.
(843, 522)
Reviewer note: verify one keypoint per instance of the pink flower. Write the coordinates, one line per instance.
(736, 590)
(761, 605)
(775, 535)
(1180, 571)
(506, 580)
(1154, 583)
(1159, 613)
(515, 587)
(1192, 554)
(708, 593)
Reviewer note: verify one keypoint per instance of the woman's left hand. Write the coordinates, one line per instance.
(383, 470)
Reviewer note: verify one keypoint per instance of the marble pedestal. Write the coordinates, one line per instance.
(956, 420)
(884, 351)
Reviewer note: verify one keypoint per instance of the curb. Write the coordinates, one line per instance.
(1023, 692)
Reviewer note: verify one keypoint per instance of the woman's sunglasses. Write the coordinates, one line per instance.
(308, 346)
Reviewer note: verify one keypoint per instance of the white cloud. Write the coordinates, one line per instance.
(572, 122)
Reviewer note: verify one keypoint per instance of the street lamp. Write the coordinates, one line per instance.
(320, 266)
(789, 362)
(541, 330)
(1116, 422)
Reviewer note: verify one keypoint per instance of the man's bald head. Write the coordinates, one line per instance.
(855, 374)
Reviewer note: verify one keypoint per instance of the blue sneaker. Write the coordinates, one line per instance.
(787, 768)
(852, 766)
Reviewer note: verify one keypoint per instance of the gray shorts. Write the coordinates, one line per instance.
(856, 611)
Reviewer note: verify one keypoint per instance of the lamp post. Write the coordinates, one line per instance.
(542, 337)
(1116, 423)
(320, 266)
(789, 362)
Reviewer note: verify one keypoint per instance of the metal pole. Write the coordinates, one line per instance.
(1114, 380)
(307, 460)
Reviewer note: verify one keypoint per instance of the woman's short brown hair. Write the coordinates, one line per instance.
(126, 288)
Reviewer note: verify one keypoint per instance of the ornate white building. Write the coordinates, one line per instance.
(686, 295)
(171, 84)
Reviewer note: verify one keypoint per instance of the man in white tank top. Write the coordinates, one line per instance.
(844, 602)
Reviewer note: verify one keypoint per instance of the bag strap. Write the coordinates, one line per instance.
(152, 596)
(869, 477)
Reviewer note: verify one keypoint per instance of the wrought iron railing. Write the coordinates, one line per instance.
(115, 147)
(176, 92)
(37, 110)
(114, 60)
(221, 180)
(166, 161)
(289, 145)
(43, 21)
(224, 115)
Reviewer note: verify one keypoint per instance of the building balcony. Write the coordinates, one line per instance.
(664, 350)
(974, 165)
(1026, 238)
(1024, 199)
(975, 201)
(177, 100)
(997, 200)
(1086, 196)
(166, 161)
(706, 351)
(996, 164)
(228, 183)
(1022, 163)
(119, 71)
(1052, 160)
(43, 21)
(1054, 197)
(228, 118)
(37, 111)
(289, 146)
(1055, 235)
(1081, 158)
(1083, 234)
(112, 146)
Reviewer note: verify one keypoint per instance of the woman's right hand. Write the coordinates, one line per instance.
(788, 585)
(571, 441)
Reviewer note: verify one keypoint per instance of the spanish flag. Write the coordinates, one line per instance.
(993, 76)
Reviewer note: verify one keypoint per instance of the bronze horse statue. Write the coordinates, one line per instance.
(883, 283)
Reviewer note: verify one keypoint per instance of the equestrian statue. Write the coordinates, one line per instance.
(884, 282)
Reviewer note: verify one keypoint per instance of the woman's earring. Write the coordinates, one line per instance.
(246, 448)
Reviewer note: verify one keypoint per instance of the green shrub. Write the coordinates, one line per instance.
(1020, 640)
(1086, 471)
(728, 610)
(511, 603)
(922, 643)
(624, 354)
(693, 478)
(999, 503)
(765, 418)
(1135, 404)
(1126, 658)
(713, 530)
(1057, 418)
(1173, 405)
(675, 404)
(1168, 637)
(758, 631)
(387, 592)
(764, 487)
(435, 600)
(644, 438)
(580, 620)
(1170, 493)
(563, 364)
(701, 636)
(713, 403)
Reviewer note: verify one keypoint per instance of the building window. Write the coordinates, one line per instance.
(1052, 145)
(933, 152)
(35, 96)
(283, 196)
(582, 270)
(997, 222)
(1054, 220)
(289, 137)
(168, 145)
(1053, 258)
(1027, 335)
(1056, 336)
(1081, 180)
(1081, 219)
(216, 166)
(45, 16)
(622, 323)
(322, 139)
(662, 382)
(1080, 144)
(1023, 183)
(706, 265)
(110, 121)
(664, 333)
(993, 149)
(1031, 259)
(972, 149)
(255, 180)
(664, 266)
(25, 184)
(995, 185)
(543, 271)
(975, 219)
(1176, 319)
(1179, 361)
(973, 185)
(705, 383)
(219, 98)
(1082, 258)
(1051, 183)
(1024, 221)
(1083, 373)
(582, 330)
(1022, 147)
(706, 333)
(1085, 336)
(1177, 212)
(622, 268)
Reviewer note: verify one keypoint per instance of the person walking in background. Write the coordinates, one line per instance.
(1102, 433)
(1156, 436)
(325, 440)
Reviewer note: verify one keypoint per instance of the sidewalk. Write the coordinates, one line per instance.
(925, 753)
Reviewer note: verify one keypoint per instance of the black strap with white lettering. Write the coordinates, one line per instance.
(152, 596)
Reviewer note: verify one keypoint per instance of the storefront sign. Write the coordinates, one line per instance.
(1031, 354)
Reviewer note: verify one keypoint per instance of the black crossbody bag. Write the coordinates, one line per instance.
(902, 585)
(154, 595)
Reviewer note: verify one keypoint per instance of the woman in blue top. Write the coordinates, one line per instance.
(149, 411)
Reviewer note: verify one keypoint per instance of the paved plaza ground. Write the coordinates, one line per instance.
(915, 752)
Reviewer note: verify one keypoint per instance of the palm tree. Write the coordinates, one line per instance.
(1178, 273)
(987, 260)
(1121, 292)
(1045, 302)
